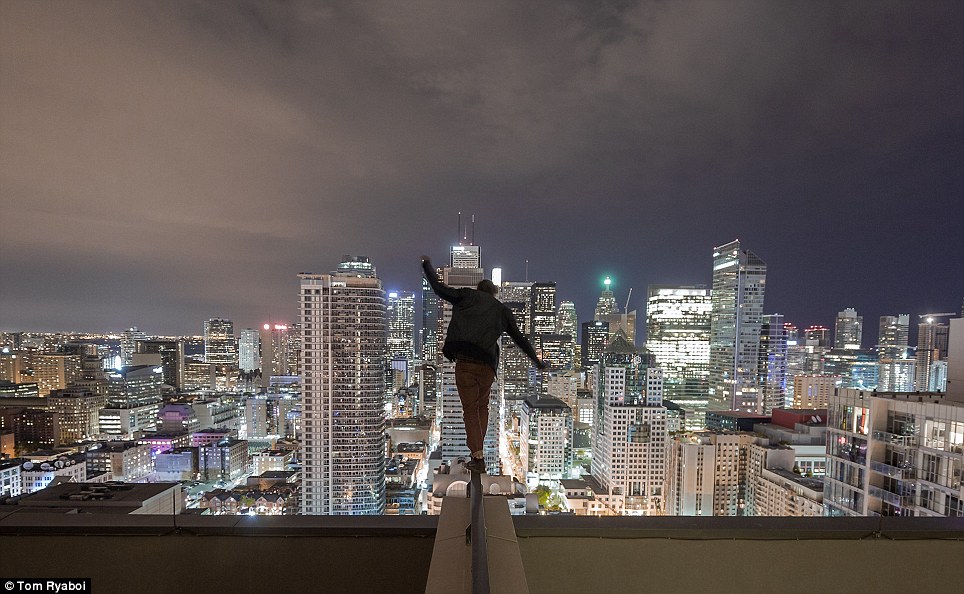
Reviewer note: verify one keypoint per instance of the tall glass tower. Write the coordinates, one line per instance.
(739, 281)
(678, 336)
(220, 345)
(773, 363)
(343, 321)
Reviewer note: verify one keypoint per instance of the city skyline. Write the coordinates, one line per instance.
(190, 164)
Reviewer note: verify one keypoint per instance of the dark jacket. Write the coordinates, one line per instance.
(478, 321)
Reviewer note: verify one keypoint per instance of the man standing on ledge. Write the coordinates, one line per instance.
(472, 341)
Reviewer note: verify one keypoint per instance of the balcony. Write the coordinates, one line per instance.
(893, 471)
(893, 438)
(902, 501)
(139, 553)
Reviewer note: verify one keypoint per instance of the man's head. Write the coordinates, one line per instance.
(487, 286)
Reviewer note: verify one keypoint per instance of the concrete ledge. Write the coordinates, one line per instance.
(742, 528)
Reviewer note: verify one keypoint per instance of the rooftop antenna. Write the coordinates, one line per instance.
(459, 233)
(472, 241)
(527, 270)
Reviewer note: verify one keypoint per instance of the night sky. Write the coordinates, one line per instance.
(163, 163)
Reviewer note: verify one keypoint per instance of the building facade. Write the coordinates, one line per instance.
(739, 283)
(343, 322)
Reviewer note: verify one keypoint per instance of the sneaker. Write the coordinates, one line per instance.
(475, 465)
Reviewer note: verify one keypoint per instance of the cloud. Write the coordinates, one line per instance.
(239, 143)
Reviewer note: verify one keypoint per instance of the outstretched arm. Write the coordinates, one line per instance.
(441, 289)
(512, 329)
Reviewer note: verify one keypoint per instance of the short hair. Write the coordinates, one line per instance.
(487, 286)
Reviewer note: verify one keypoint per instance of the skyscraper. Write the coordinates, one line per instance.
(401, 331)
(428, 333)
(344, 343)
(567, 323)
(607, 302)
(543, 308)
(739, 281)
(678, 336)
(249, 350)
(848, 330)
(629, 430)
(892, 337)
(773, 363)
(280, 346)
(607, 310)
(220, 346)
(931, 348)
(595, 337)
(566, 320)
(128, 343)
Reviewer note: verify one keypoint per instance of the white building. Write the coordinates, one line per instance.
(894, 454)
(249, 350)
(629, 431)
(11, 481)
(38, 471)
(546, 437)
(342, 316)
(126, 461)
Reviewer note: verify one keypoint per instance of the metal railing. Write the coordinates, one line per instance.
(475, 534)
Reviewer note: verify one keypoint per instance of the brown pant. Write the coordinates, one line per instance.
(474, 382)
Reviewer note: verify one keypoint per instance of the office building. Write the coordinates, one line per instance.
(678, 336)
(543, 308)
(401, 335)
(814, 391)
(11, 481)
(50, 371)
(817, 336)
(629, 431)
(892, 338)
(546, 436)
(79, 413)
(739, 282)
(220, 345)
(133, 401)
(126, 461)
(568, 324)
(566, 320)
(224, 461)
(606, 304)
(931, 348)
(249, 350)
(128, 344)
(428, 332)
(773, 363)
(736, 474)
(595, 338)
(897, 375)
(343, 322)
(170, 359)
(848, 331)
(280, 351)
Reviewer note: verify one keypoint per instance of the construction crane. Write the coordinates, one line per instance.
(628, 297)
(945, 314)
